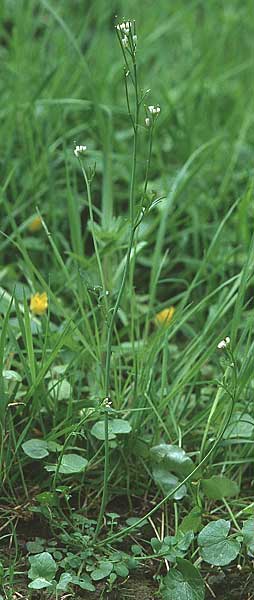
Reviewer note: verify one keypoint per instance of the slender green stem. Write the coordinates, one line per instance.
(134, 226)
(148, 162)
(96, 249)
(133, 177)
(107, 383)
(231, 514)
(216, 401)
(222, 390)
(105, 478)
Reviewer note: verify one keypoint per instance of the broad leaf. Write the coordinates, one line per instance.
(104, 570)
(184, 540)
(121, 570)
(115, 427)
(46, 498)
(218, 487)
(192, 521)
(39, 583)
(134, 520)
(174, 458)
(173, 547)
(42, 566)
(120, 426)
(54, 446)
(183, 583)
(215, 546)
(70, 463)
(61, 390)
(64, 581)
(13, 375)
(248, 535)
(35, 547)
(36, 448)
(167, 482)
(240, 426)
(84, 583)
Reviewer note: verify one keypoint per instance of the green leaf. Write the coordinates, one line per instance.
(104, 570)
(115, 427)
(84, 583)
(13, 375)
(42, 566)
(183, 540)
(121, 570)
(218, 487)
(46, 498)
(183, 583)
(248, 535)
(98, 431)
(36, 448)
(240, 426)
(136, 550)
(39, 583)
(131, 563)
(60, 389)
(35, 547)
(173, 547)
(215, 546)
(70, 463)
(113, 516)
(132, 521)
(167, 482)
(120, 426)
(54, 447)
(64, 581)
(174, 458)
(192, 521)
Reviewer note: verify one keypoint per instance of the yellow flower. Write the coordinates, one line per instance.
(35, 224)
(39, 303)
(165, 316)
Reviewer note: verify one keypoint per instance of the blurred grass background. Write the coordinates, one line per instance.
(62, 82)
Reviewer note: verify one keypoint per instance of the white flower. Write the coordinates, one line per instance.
(107, 402)
(124, 27)
(154, 110)
(127, 31)
(79, 150)
(221, 344)
(125, 41)
(147, 122)
(224, 343)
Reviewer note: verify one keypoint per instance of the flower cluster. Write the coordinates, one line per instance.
(154, 110)
(224, 343)
(124, 27)
(127, 31)
(79, 150)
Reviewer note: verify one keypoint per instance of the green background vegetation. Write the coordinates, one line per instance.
(61, 84)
